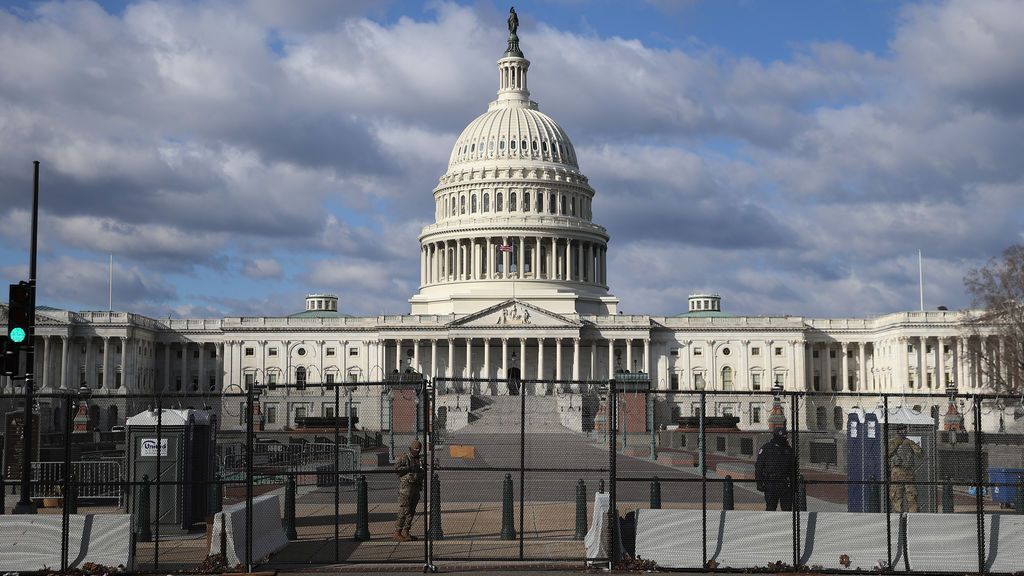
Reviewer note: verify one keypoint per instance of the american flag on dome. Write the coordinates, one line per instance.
(505, 247)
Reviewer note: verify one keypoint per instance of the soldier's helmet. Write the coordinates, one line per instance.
(902, 429)
(415, 445)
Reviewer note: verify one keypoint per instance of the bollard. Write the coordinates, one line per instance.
(655, 494)
(142, 531)
(289, 509)
(600, 486)
(71, 498)
(581, 511)
(872, 498)
(436, 532)
(1018, 501)
(728, 496)
(947, 496)
(362, 511)
(801, 493)
(218, 495)
(508, 531)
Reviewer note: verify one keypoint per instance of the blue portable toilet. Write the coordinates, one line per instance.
(855, 492)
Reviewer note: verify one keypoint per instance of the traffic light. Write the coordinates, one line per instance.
(9, 359)
(20, 314)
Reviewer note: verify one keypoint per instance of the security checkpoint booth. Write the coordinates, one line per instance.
(866, 434)
(182, 458)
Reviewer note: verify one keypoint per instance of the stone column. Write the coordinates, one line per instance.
(433, 357)
(520, 252)
(504, 360)
(770, 350)
(487, 359)
(647, 359)
(904, 363)
(167, 366)
(448, 371)
(184, 364)
(862, 367)
(469, 358)
(713, 366)
(629, 355)
(64, 350)
(416, 356)
(940, 363)
(219, 381)
(611, 358)
(522, 363)
(579, 261)
(540, 388)
(958, 362)
(201, 376)
(846, 367)
(536, 258)
(576, 359)
(827, 377)
(504, 259)
(106, 383)
(568, 259)
(558, 358)
(800, 366)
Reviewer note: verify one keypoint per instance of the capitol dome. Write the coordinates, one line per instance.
(513, 214)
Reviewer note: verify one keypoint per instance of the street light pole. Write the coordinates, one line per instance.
(25, 505)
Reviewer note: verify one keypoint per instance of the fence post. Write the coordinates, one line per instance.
(728, 496)
(508, 530)
(947, 496)
(218, 494)
(289, 509)
(3, 495)
(436, 531)
(801, 493)
(142, 531)
(362, 511)
(581, 511)
(874, 502)
(1018, 502)
(71, 498)
(655, 494)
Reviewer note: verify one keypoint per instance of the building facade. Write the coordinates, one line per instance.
(513, 284)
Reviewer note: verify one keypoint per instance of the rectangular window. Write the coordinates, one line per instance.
(117, 379)
(755, 381)
(755, 351)
(195, 354)
(250, 378)
(353, 377)
(831, 353)
(674, 352)
(698, 351)
(179, 353)
(271, 351)
(945, 349)
(755, 414)
(248, 352)
(300, 412)
(177, 382)
(674, 382)
(330, 377)
(329, 411)
(929, 380)
(778, 350)
(780, 380)
(213, 353)
(814, 354)
(747, 446)
(271, 379)
(720, 443)
(271, 414)
(910, 347)
(698, 381)
(928, 349)
(353, 351)
(849, 353)
(834, 382)
(817, 381)
(330, 351)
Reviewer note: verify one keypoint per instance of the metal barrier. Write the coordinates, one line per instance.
(98, 480)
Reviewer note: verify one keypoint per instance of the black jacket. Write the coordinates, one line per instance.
(774, 467)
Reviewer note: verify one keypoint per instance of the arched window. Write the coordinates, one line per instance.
(534, 145)
(572, 206)
(462, 205)
(544, 146)
(300, 378)
(454, 207)
(540, 202)
(819, 418)
(563, 205)
(511, 144)
(524, 145)
(497, 203)
(472, 204)
(727, 378)
(512, 202)
(553, 203)
(472, 147)
(501, 145)
(445, 206)
(487, 202)
(526, 201)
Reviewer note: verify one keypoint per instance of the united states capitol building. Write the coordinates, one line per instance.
(513, 284)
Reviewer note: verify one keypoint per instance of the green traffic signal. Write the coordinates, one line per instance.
(17, 335)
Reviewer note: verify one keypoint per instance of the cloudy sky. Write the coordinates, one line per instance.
(234, 156)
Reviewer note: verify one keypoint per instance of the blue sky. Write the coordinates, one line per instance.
(233, 156)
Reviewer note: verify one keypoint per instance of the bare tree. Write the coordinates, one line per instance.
(997, 292)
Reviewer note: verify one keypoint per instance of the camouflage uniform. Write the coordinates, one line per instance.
(903, 454)
(409, 468)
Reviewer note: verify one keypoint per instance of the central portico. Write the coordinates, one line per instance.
(513, 215)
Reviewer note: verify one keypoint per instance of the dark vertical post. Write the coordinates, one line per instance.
(65, 523)
(337, 469)
(249, 412)
(508, 531)
(728, 496)
(885, 477)
(143, 520)
(980, 485)
(522, 463)
(436, 531)
(159, 474)
(362, 511)
(1018, 501)
(25, 504)
(581, 511)
(947, 496)
(873, 501)
(613, 513)
(428, 394)
(794, 408)
(289, 508)
(650, 422)
(801, 493)
(655, 494)
(701, 453)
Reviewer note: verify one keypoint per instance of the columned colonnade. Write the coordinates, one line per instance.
(537, 257)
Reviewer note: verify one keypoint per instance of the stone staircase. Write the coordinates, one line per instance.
(501, 414)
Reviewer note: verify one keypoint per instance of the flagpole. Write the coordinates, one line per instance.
(920, 278)
(110, 284)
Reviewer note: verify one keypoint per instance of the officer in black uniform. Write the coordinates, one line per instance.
(773, 471)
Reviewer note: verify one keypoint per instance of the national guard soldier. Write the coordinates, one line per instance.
(773, 471)
(410, 470)
(903, 454)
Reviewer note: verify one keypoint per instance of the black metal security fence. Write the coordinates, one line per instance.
(599, 472)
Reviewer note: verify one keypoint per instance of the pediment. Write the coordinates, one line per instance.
(514, 313)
